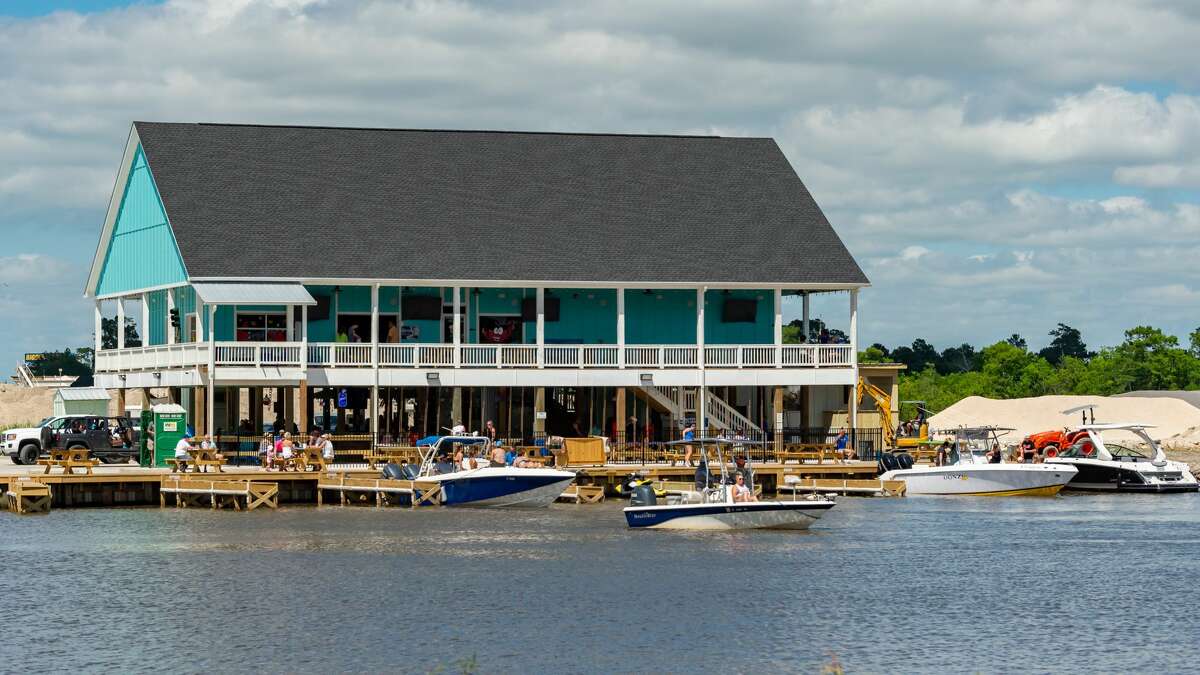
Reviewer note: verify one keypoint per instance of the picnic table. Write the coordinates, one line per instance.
(802, 452)
(198, 458)
(69, 459)
(393, 455)
(309, 458)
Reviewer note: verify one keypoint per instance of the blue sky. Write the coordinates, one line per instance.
(994, 168)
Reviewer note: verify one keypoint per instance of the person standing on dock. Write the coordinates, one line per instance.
(689, 433)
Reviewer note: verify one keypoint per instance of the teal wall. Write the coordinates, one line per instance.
(158, 318)
(141, 252)
(586, 316)
(660, 317)
(762, 331)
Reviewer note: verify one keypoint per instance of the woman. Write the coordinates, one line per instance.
(741, 491)
(689, 434)
(287, 449)
(266, 452)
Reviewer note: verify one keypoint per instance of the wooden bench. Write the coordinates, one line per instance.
(27, 496)
(802, 452)
(69, 460)
(219, 493)
(311, 459)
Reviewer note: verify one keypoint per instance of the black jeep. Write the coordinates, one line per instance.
(112, 440)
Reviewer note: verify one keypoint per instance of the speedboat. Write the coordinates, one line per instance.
(968, 472)
(713, 505)
(1107, 466)
(486, 485)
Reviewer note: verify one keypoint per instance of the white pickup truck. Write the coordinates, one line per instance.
(25, 445)
(113, 440)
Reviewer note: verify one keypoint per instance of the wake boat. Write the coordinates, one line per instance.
(967, 471)
(1107, 466)
(486, 485)
(713, 504)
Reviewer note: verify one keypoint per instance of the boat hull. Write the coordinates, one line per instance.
(1114, 476)
(503, 488)
(796, 515)
(984, 480)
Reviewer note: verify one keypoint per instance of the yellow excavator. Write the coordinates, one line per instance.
(883, 403)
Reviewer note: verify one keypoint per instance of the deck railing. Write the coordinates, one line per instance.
(413, 355)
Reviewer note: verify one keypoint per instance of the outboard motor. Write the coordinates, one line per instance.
(888, 462)
(400, 472)
(643, 495)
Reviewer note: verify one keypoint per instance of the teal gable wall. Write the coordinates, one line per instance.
(158, 317)
(761, 331)
(141, 252)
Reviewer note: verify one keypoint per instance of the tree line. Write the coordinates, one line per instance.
(1148, 358)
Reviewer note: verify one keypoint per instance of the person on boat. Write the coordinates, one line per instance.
(183, 451)
(943, 454)
(489, 430)
(1028, 456)
(741, 491)
(689, 434)
(497, 458)
(995, 456)
(458, 429)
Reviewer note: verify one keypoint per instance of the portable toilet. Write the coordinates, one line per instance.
(81, 401)
(167, 423)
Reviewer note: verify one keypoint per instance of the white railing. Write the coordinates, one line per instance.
(412, 355)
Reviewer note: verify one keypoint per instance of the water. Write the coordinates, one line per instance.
(1077, 583)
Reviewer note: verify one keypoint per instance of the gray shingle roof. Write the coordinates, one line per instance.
(264, 201)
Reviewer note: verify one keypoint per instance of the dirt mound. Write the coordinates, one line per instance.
(1177, 423)
(23, 405)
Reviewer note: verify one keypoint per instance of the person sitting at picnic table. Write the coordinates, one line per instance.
(183, 450)
(266, 452)
(326, 447)
(286, 449)
(314, 437)
(741, 491)
(843, 445)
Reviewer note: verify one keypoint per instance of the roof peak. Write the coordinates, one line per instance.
(515, 132)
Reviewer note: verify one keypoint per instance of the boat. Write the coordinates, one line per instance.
(1102, 465)
(967, 471)
(711, 506)
(486, 485)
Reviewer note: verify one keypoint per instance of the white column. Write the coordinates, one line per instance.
(399, 313)
(541, 326)
(778, 327)
(854, 359)
(212, 369)
(700, 293)
(620, 327)
(304, 339)
(120, 323)
(171, 331)
(806, 315)
(290, 321)
(457, 324)
(374, 364)
(375, 323)
(145, 319)
(98, 327)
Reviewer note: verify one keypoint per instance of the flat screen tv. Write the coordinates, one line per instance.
(421, 308)
(529, 309)
(738, 310)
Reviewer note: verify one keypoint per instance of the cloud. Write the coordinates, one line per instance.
(997, 166)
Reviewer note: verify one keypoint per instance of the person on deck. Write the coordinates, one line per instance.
(183, 451)
(842, 443)
(266, 452)
(689, 434)
(353, 334)
(489, 430)
(741, 491)
(393, 332)
(326, 448)
(286, 449)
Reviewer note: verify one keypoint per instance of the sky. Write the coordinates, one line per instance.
(995, 167)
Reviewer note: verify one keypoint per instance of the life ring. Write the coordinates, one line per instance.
(1052, 452)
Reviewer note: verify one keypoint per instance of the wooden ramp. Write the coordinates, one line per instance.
(846, 486)
(219, 493)
(28, 496)
(381, 491)
(583, 494)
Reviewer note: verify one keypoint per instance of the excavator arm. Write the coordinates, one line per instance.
(883, 403)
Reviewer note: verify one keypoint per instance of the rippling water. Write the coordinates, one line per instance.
(1077, 583)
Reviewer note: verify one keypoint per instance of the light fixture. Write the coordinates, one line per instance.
(433, 378)
(647, 379)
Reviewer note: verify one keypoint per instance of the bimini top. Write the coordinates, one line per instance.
(465, 440)
(397, 204)
(1114, 426)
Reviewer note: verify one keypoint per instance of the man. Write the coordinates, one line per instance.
(498, 458)
(183, 451)
(458, 429)
(843, 444)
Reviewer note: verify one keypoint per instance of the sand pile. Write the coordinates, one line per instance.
(1177, 423)
(22, 405)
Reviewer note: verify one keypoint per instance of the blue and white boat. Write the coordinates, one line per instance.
(487, 485)
(720, 504)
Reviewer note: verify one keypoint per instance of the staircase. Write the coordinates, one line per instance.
(681, 402)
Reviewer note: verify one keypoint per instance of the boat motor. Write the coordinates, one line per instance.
(640, 490)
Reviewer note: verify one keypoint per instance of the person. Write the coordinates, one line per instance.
(207, 443)
(353, 334)
(498, 458)
(823, 336)
(842, 443)
(741, 491)
(341, 337)
(314, 438)
(994, 457)
(183, 450)
(489, 430)
(266, 452)
(326, 448)
(943, 454)
(631, 431)
(689, 434)
(1027, 453)
(393, 332)
(286, 449)
(458, 429)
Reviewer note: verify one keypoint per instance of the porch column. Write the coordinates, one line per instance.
(121, 323)
(854, 361)
(700, 293)
(375, 364)
(290, 321)
(620, 327)
(98, 327)
(212, 364)
(457, 327)
(201, 421)
(806, 315)
(171, 336)
(539, 412)
(619, 417)
(145, 319)
(541, 327)
(304, 339)
(778, 327)
(777, 409)
(399, 313)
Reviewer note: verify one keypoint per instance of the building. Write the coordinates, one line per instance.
(388, 282)
(81, 401)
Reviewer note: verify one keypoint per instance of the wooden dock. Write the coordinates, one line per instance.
(382, 491)
(219, 493)
(28, 496)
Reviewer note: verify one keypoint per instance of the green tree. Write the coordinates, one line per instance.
(1017, 341)
(1067, 342)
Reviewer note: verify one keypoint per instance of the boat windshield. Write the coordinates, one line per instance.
(439, 456)
(1124, 451)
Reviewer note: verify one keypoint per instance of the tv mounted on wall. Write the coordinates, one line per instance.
(739, 310)
(529, 309)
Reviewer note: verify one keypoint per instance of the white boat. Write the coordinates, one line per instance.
(712, 505)
(1103, 465)
(969, 473)
(488, 485)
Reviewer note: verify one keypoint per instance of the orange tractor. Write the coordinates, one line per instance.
(1051, 443)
